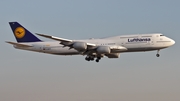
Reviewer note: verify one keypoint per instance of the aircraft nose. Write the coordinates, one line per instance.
(172, 42)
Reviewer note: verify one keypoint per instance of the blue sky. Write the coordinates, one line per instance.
(133, 77)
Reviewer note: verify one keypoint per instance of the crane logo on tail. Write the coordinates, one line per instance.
(19, 32)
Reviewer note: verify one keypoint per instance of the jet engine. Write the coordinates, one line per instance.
(80, 46)
(103, 50)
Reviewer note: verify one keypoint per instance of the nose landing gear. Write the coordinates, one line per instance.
(158, 55)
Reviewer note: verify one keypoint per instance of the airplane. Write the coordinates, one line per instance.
(93, 49)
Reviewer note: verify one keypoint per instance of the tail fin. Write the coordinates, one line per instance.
(22, 34)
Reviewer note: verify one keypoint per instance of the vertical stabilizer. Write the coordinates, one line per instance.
(22, 34)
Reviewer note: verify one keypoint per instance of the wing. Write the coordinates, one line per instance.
(18, 44)
(55, 38)
(69, 43)
(63, 41)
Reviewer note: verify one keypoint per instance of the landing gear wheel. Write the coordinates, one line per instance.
(157, 55)
(97, 60)
(92, 59)
(87, 59)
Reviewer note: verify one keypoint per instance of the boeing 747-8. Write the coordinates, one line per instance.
(93, 49)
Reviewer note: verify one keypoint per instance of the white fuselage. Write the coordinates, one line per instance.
(133, 43)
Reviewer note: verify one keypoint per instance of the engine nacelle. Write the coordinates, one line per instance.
(103, 50)
(113, 55)
(81, 46)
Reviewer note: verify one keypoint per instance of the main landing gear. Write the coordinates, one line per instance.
(91, 58)
(158, 55)
(98, 58)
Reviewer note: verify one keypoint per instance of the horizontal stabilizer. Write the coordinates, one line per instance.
(19, 44)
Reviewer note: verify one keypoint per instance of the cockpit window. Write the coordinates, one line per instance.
(161, 35)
